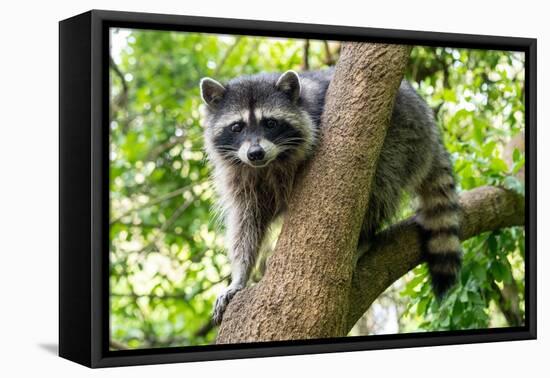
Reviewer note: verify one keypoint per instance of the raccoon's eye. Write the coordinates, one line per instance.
(271, 123)
(237, 127)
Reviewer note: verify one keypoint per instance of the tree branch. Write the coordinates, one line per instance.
(122, 98)
(396, 250)
(116, 345)
(508, 302)
(329, 59)
(305, 64)
(169, 222)
(156, 201)
(226, 56)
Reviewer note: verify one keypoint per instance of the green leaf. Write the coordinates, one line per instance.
(499, 165)
(516, 156)
(492, 244)
(498, 271)
(449, 96)
(479, 272)
(488, 149)
(422, 305)
(463, 296)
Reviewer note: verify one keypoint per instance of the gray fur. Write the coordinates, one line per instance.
(252, 194)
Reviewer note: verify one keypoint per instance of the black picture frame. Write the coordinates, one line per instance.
(84, 183)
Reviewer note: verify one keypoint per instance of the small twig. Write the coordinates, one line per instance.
(329, 59)
(120, 101)
(253, 50)
(305, 64)
(174, 295)
(173, 218)
(159, 149)
(168, 144)
(226, 56)
(117, 345)
(156, 201)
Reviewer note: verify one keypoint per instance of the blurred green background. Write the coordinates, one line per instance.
(167, 260)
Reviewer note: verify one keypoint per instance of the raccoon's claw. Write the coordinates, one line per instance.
(221, 303)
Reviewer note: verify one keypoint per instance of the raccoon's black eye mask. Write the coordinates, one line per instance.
(270, 123)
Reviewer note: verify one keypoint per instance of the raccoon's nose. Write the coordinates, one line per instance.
(255, 153)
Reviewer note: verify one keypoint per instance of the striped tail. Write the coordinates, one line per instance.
(439, 219)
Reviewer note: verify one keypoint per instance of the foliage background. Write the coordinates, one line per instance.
(167, 261)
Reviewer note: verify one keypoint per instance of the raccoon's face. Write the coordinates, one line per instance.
(256, 120)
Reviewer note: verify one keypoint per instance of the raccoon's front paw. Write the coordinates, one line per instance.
(221, 303)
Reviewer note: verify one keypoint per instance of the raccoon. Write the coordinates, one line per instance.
(261, 129)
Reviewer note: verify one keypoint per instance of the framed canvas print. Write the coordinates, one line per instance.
(235, 188)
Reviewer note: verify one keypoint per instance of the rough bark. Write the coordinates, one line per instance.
(396, 250)
(508, 302)
(304, 293)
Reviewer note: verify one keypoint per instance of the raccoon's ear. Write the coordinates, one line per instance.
(212, 91)
(289, 83)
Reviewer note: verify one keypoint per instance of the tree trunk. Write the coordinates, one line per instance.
(313, 288)
(304, 293)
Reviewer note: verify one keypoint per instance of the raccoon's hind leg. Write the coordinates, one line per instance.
(439, 220)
